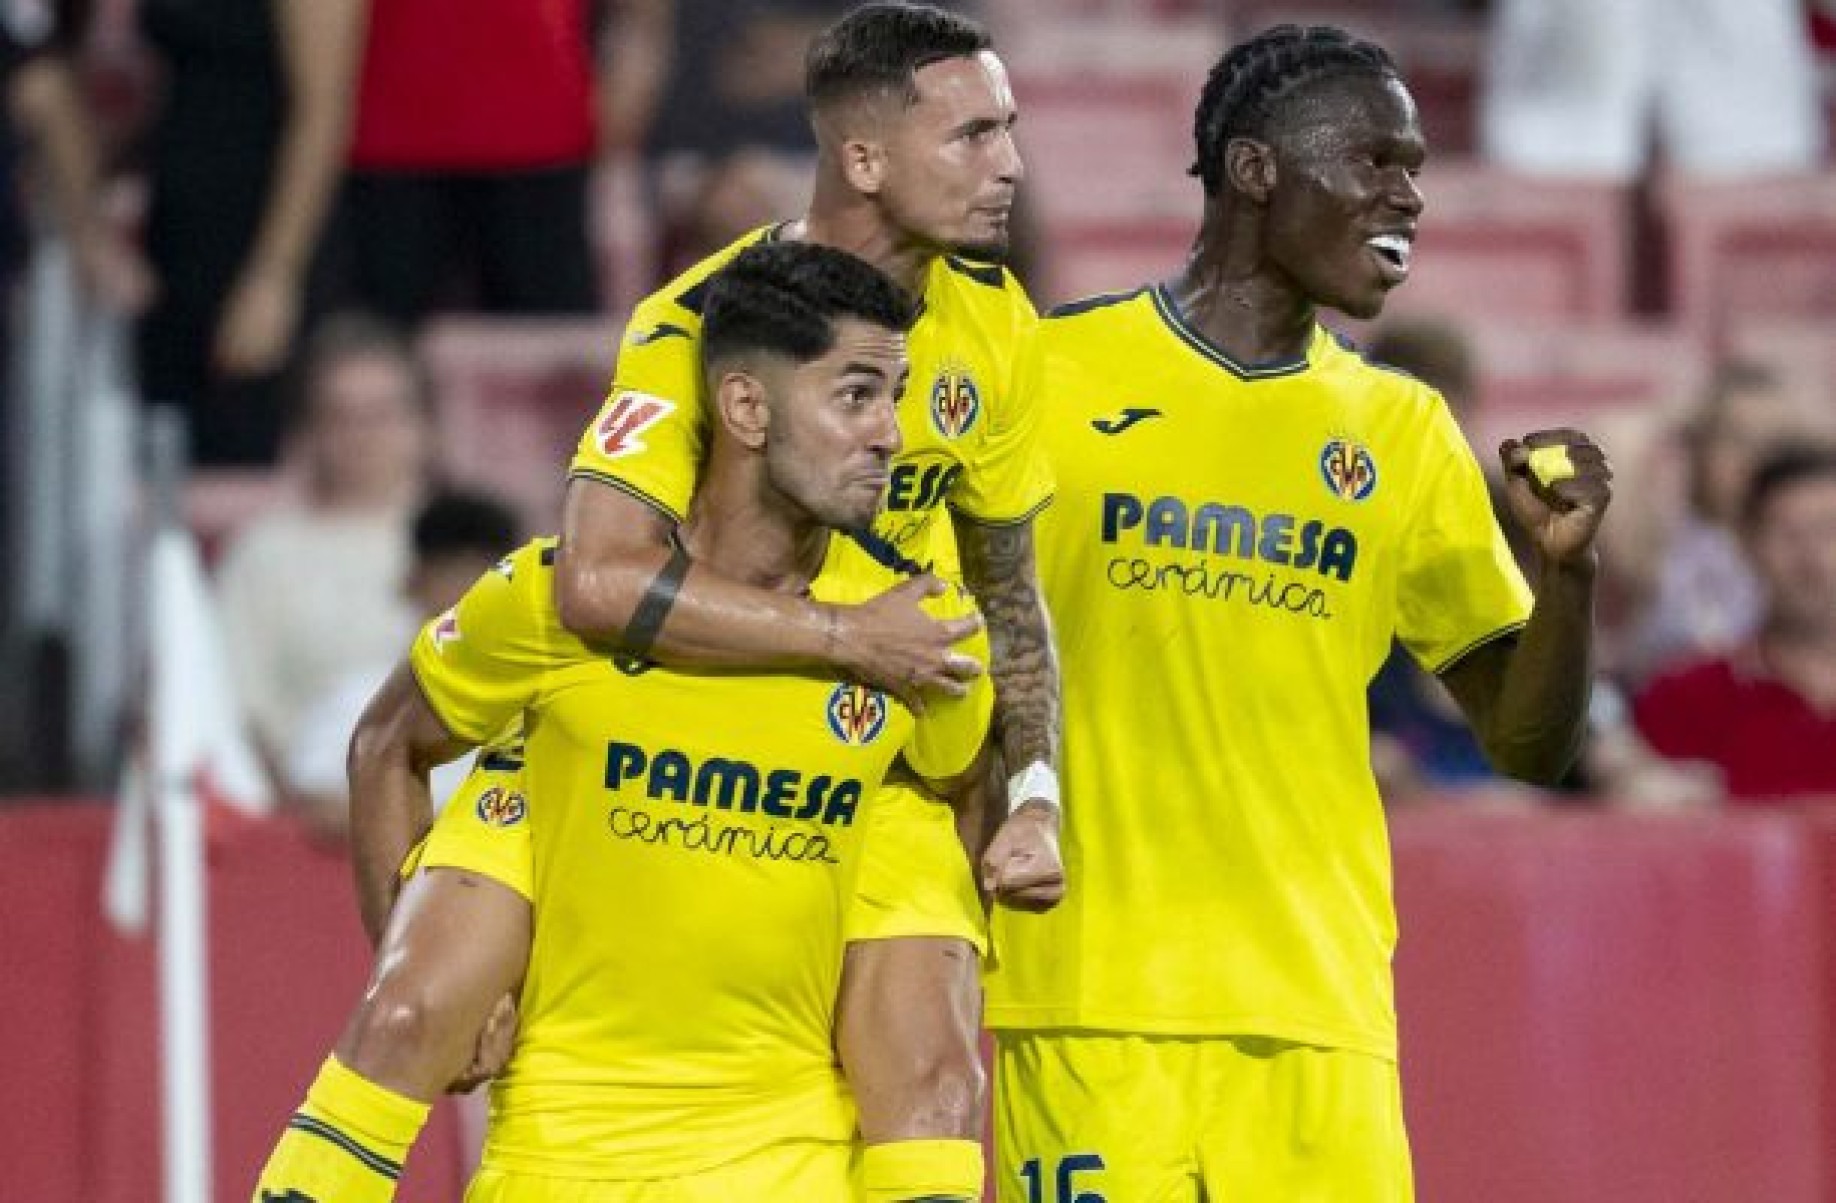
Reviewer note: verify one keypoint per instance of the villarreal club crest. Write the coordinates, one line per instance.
(956, 402)
(857, 714)
(1348, 469)
(499, 807)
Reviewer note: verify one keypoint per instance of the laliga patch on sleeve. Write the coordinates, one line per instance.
(624, 420)
(445, 630)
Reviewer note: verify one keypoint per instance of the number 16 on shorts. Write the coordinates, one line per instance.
(1059, 1184)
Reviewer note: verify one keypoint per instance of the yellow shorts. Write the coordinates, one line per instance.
(1172, 1120)
(915, 878)
(806, 1171)
(484, 827)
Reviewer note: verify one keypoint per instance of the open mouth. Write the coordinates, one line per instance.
(1392, 253)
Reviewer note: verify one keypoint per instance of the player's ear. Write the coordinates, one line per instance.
(863, 164)
(1249, 168)
(741, 402)
(852, 132)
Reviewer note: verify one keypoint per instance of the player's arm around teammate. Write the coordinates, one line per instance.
(453, 948)
(614, 547)
(629, 487)
(1526, 697)
(817, 441)
(915, 121)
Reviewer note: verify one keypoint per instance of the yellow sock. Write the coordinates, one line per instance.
(345, 1145)
(922, 1171)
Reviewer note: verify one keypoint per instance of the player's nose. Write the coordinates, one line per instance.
(1010, 167)
(1405, 194)
(884, 438)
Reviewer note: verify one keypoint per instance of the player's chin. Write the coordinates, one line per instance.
(1362, 303)
(855, 512)
(989, 248)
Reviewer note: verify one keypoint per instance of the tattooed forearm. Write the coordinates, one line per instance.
(998, 568)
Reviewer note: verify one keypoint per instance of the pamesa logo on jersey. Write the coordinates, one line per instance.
(1348, 469)
(956, 402)
(857, 714)
(500, 807)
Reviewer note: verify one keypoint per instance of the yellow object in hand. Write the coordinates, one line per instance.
(1551, 464)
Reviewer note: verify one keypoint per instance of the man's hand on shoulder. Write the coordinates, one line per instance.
(891, 643)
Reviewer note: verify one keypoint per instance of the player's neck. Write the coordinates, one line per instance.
(1226, 294)
(755, 539)
(852, 223)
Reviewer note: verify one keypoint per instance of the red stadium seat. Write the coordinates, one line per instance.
(1106, 126)
(513, 397)
(1586, 375)
(1497, 245)
(1110, 258)
(1802, 352)
(1107, 150)
(1017, 22)
(1107, 161)
(1750, 249)
(1107, 180)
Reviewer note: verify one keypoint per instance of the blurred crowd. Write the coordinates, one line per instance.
(281, 195)
(1717, 673)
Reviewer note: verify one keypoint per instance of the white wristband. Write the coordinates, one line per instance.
(1036, 780)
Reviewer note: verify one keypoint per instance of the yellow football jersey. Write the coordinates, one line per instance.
(694, 840)
(1230, 554)
(969, 426)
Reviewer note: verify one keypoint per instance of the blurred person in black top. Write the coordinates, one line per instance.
(246, 151)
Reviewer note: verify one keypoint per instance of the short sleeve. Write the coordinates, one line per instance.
(949, 734)
(485, 660)
(1009, 480)
(484, 828)
(649, 436)
(1459, 586)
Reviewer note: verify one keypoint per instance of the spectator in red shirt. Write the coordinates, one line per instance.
(1766, 714)
(470, 158)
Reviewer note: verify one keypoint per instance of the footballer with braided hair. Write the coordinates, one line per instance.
(1248, 514)
(1244, 91)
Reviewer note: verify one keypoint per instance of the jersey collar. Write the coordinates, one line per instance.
(1169, 312)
